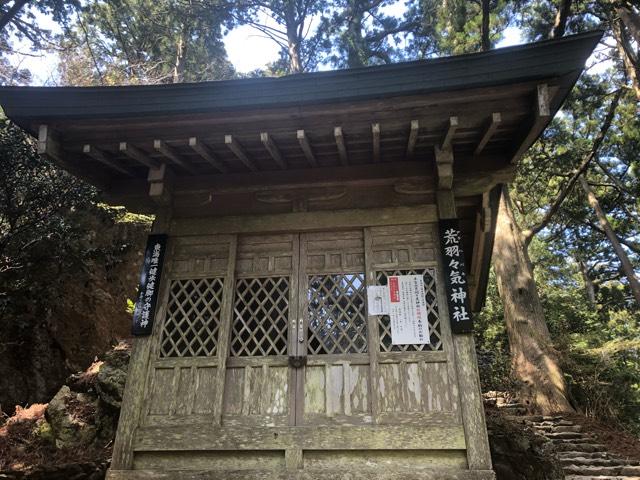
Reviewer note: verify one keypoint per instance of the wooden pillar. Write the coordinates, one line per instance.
(475, 428)
(137, 374)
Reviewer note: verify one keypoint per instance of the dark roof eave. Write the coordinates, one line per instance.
(563, 58)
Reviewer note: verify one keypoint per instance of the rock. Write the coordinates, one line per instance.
(518, 454)
(71, 416)
(112, 376)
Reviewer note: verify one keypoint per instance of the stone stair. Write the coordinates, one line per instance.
(579, 453)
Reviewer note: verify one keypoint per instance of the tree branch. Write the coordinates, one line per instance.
(11, 13)
(529, 234)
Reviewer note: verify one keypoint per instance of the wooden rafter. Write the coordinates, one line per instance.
(375, 132)
(138, 155)
(103, 157)
(172, 155)
(540, 118)
(239, 152)
(206, 153)
(273, 150)
(413, 138)
(342, 147)
(306, 148)
(496, 119)
(451, 131)
(49, 147)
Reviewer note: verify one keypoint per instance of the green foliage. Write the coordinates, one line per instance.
(146, 41)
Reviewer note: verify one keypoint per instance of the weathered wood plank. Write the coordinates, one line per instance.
(475, 428)
(135, 388)
(387, 437)
(305, 221)
(325, 474)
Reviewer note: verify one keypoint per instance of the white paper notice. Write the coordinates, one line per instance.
(408, 314)
(378, 300)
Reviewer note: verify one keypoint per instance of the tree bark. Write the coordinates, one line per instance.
(624, 50)
(627, 268)
(11, 13)
(589, 287)
(630, 19)
(560, 23)
(533, 358)
(486, 16)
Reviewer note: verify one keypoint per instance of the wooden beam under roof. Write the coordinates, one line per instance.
(206, 153)
(342, 147)
(444, 166)
(451, 131)
(306, 148)
(375, 132)
(48, 146)
(138, 155)
(172, 155)
(540, 118)
(413, 138)
(496, 119)
(273, 150)
(102, 157)
(239, 152)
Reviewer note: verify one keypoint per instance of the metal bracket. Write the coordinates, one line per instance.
(297, 361)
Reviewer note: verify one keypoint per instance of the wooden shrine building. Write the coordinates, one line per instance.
(284, 200)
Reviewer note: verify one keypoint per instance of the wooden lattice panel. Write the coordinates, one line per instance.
(261, 313)
(337, 320)
(384, 322)
(192, 319)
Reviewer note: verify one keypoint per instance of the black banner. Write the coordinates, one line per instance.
(455, 277)
(149, 285)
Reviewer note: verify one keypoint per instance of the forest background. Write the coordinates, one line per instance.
(561, 321)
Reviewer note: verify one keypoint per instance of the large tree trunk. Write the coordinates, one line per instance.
(589, 287)
(560, 23)
(486, 16)
(627, 268)
(534, 360)
(625, 50)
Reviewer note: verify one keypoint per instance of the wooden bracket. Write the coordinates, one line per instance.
(206, 153)
(233, 145)
(496, 119)
(375, 132)
(48, 147)
(300, 198)
(342, 147)
(172, 155)
(138, 155)
(451, 131)
(161, 184)
(444, 165)
(273, 150)
(413, 138)
(306, 148)
(540, 118)
(103, 158)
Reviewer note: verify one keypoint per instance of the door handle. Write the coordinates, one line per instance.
(300, 332)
